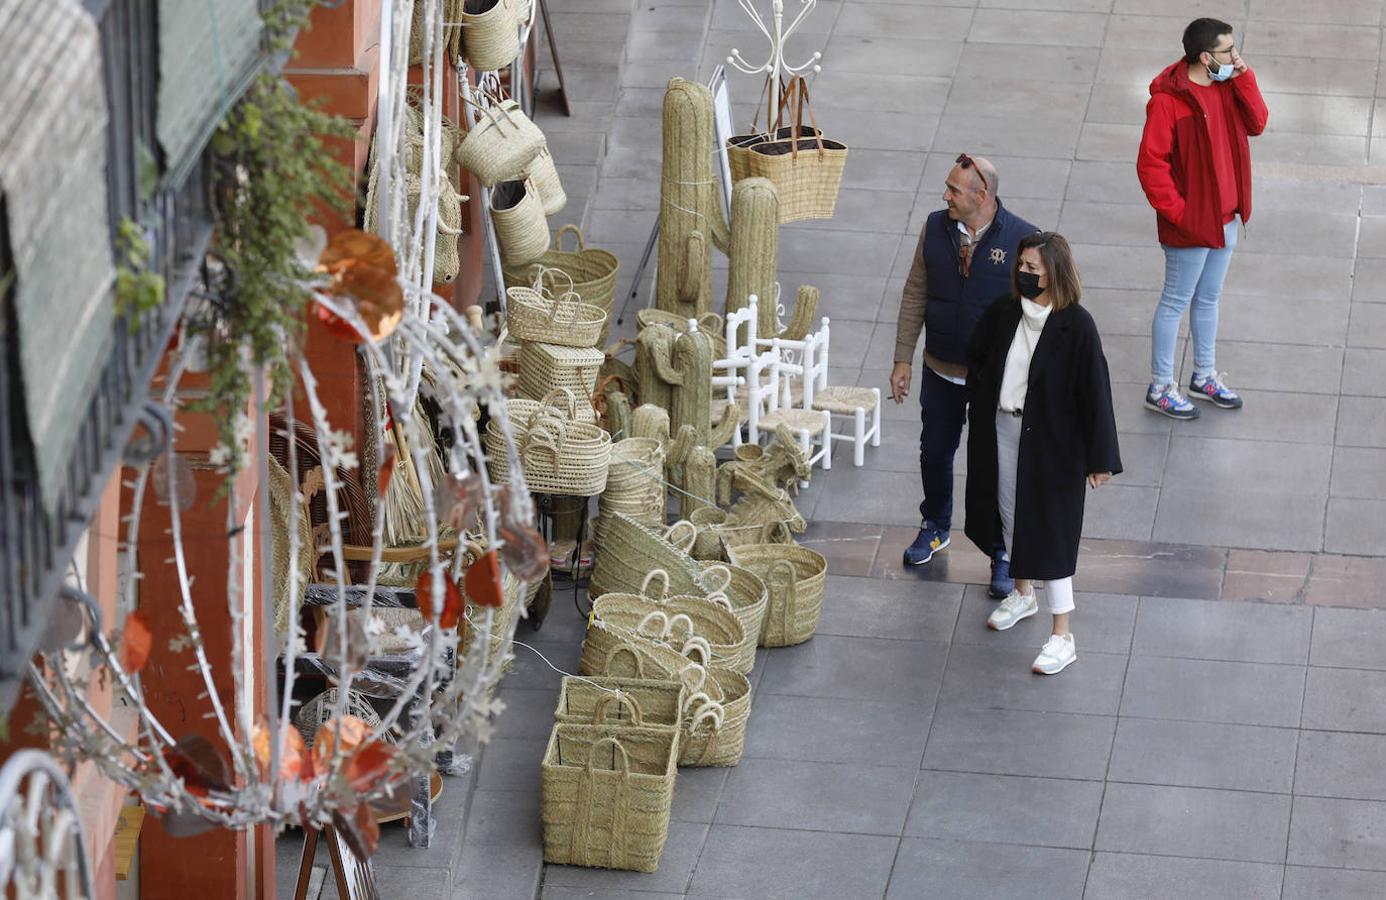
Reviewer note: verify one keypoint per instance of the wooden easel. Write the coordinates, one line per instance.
(354, 876)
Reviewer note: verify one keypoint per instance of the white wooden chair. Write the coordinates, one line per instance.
(840, 400)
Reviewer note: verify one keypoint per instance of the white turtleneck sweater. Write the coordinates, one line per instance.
(1016, 379)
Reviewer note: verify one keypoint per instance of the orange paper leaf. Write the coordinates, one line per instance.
(451, 612)
(484, 581)
(362, 267)
(387, 467)
(295, 763)
(135, 642)
(354, 733)
(369, 764)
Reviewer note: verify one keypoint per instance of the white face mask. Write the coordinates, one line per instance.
(1221, 73)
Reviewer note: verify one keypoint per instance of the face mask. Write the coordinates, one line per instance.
(1221, 73)
(1028, 285)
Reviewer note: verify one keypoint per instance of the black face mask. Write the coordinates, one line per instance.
(1028, 285)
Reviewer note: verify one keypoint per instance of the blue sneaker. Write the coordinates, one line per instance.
(1212, 389)
(931, 540)
(1167, 401)
(1001, 581)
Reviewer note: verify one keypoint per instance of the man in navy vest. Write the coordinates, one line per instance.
(962, 264)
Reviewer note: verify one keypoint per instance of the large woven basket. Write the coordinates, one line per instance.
(520, 411)
(560, 457)
(490, 34)
(538, 314)
(806, 170)
(522, 231)
(605, 700)
(543, 174)
(711, 618)
(607, 793)
(714, 732)
(644, 661)
(793, 577)
(548, 367)
(592, 270)
(630, 551)
(717, 532)
(635, 481)
(501, 145)
(744, 589)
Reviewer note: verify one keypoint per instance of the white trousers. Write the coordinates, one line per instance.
(1060, 591)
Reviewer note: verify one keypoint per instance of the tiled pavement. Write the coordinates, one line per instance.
(1223, 734)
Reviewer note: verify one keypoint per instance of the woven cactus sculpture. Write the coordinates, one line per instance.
(754, 255)
(677, 375)
(692, 469)
(690, 217)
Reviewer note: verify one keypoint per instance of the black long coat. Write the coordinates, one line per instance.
(1068, 432)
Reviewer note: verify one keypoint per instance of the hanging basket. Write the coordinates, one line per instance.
(714, 731)
(501, 145)
(560, 457)
(538, 314)
(490, 34)
(793, 577)
(521, 229)
(548, 367)
(607, 792)
(592, 270)
(805, 167)
(543, 174)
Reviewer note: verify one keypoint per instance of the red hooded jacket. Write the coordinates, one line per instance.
(1175, 163)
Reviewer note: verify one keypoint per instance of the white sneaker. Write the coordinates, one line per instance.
(1015, 607)
(1058, 654)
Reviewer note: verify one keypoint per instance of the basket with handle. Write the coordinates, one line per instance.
(630, 551)
(717, 532)
(739, 145)
(592, 270)
(607, 791)
(805, 167)
(711, 617)
(714, 731)
(664, 640)
(546, 367)
(543, 174)
(607, 700)
(522, 231)
(544, 315)
(500, 146)
(794, 578)
(635, 481)
(490, 34)
(747, 594)
(649, 662)
(559, 457)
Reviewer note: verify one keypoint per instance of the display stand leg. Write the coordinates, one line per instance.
(553, 51)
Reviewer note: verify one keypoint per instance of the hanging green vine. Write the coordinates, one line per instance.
(138, 290)
(273, 171)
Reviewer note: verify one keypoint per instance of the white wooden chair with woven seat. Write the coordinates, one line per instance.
(730, 371)
(846, 401)
(767, 413)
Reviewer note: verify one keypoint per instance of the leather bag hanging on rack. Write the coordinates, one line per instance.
(805, 166)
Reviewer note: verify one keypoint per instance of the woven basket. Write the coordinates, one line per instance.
(522, 231)
(714, 732)
(793, 577)
(806, 171)
(650, 634)
(559, 457)
(543, 174)
(717, 532)
(593, 271)
(501, 145)
(490, 34)
(637, 701)
(521, 410)
(648, 662)
(535, 314)
(710, 618)
(548, 367)
(635, 481)
(746, 592)
(452, 32)
(320, 710)
(630, 551)
(607, 792)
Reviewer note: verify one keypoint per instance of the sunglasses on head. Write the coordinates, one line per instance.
(968, 162)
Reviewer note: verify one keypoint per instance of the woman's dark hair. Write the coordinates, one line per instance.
(1201, 36)
(1064, 287)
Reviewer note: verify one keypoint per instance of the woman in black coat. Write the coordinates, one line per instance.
(1042, 431)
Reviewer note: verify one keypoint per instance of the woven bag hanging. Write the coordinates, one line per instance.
(452, 31)
(591, 270)
(739, 145)
(807, 171)
(501, 144)
(606, 795)
(793, 577)
(490, 34)
(543, 174)
(522, 231)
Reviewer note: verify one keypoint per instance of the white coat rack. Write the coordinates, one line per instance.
(776, 66)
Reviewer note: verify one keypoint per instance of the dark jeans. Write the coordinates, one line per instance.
(943, 412)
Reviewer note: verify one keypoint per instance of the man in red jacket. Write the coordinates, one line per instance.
(1195, 167)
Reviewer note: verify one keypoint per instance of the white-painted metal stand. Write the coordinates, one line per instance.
(776, 67)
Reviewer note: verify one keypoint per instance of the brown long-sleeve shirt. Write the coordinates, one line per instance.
(911, 318)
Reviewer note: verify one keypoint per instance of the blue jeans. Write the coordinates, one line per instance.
(1193, 281)
(942, 414)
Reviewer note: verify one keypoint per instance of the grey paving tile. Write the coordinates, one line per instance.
(874, 19)
(1093, 181)
(837, 731)
(696, 793)
(1315, 149)
(1102, 623)
(836, 797)
(1121, 512)
(504, 847)
(1107, 142)
(1106, 223)
(1289, 193)
(1006, 809)
(1019, 742)
(1242, 632)
(402, 881)
(1143, 461)
(1349, 638)
(892, 51)
(1194, 822)
(1124, 312)
(681, 851)
(1137, 32)
(1362, 421)
(1321, 115)
(510, 764)
(556, 892)
(962, 870)
(1355, 526)
(1135, 67)
(1307, 277)
(1262, 519)
(1036, 136)
(1267, 416)
(1016, 95)
(727, 14)
(824, 250)
(1037, 210)
(1204, 754)
(1136, 267)
(913, 94)
(1282, 367)
(1128, 357)
(528, 713)
(1345, 700)
(1299, 38)
(781, 864)
(1369, 278)
(1129, 876)
(1038, 27)
(1044, 63)
(872, 608)
(1284, 319)
(861, 495)
(999, 676)
(1340, 764)
(1338, 833)
(1304, 883)
(1347, 12)
(857, 668)
(1301, 75)
(1210, 691)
